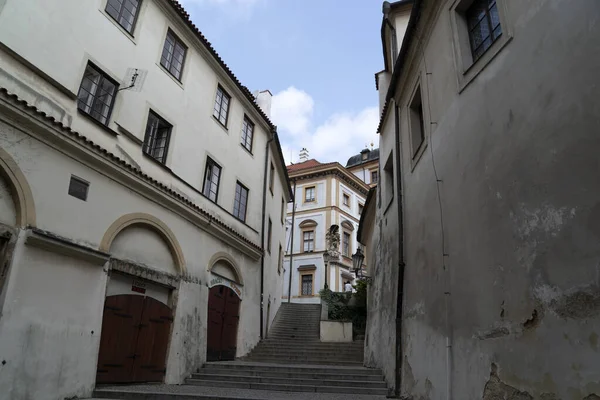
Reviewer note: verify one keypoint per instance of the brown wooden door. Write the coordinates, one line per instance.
(120, 322)
(223, 320)
(134, 340)
(153, 340)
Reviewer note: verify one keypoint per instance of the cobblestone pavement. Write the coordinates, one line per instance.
(232, 393)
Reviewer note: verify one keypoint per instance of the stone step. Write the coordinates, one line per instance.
(286, 375)
(303, 360)
(332, 357)
(288, 387)
(306, 359)
(196, 378)
(307, 368)
(312, 347)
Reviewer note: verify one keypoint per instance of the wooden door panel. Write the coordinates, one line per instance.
(216, 306)
(230, 326)
(153, 340)
(121, 317)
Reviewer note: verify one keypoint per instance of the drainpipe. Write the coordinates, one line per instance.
(262, 231)
(401, 265)
(292, 244)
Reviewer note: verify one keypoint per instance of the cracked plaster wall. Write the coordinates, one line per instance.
(516, 154)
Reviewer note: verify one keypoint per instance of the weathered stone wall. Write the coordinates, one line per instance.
(502, 212)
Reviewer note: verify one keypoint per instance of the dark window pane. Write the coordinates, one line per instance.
(156, 141)
(483, 21)
(221, 106)
(211, 180)
(124, 12)
(241, 202)
(96, 94)
(173, 55)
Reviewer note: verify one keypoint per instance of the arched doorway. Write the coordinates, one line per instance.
(222, 325)
(138, 314)
(224, 298)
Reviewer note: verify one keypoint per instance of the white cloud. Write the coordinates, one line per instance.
(292, 109)
(338, 138)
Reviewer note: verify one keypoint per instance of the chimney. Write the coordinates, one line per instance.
(263, 99)
(303, 155)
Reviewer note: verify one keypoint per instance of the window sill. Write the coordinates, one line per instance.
(244, 147)
(170, 75)
(388, 205)
(127, 34)
(160, 164)
(224, 127)
(96, 122)
(418, 155)
(473, 70)
(129, 135)
(222, 209)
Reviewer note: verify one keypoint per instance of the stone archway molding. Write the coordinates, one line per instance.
(222, 256)
(154, 223)
(22, 195)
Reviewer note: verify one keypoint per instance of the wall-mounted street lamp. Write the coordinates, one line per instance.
(357, 262)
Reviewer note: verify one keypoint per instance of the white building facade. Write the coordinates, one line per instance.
(325, 194)
(140, 183)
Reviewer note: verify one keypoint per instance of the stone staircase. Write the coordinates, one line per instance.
(291, 359)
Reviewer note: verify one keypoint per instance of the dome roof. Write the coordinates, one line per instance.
(358, 159)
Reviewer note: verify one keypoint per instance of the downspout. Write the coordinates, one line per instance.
(262, 233)
(292, 244)
(401, 265)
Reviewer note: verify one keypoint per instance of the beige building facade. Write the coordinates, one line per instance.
(325, 194)
(138, 179)
(485, 281)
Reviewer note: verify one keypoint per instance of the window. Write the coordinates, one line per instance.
(221, 106)
(374, 176)
(96, 95)
(158, 134)
(272, 178)
(309, 194)
(282, 210)
(78, 188)
(280, 264)
(346, 244)
(346, 200)
(124, 12)
(484, 26)
(269, 236)
(360, 209)
(247, 134)
(173, 55)
(241, 202)
(388, 181)
(308, 241)
(417, 125)
(307, 285)
(212, 177)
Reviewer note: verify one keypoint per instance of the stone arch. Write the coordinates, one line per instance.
(22, 195)
(308, 223)
(221, 258)
(151, 221)
(347, 225)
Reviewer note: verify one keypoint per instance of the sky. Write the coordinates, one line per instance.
(317, 57)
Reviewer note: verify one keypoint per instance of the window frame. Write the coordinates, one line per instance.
(314, 198)
(103, 76)
(248, 123)
(311, 241)
(135, 17)
(176, 40)
(269, 235)
(280, 261)
(282, 210)
(349, 234)
(467, 69)
(312, 284)
(345, 196)
(361, 208)
(272, 178)
(145, 144)
(213, 164)
(487, 18)
(416, 120)
(376, 172)
(223, 93)
(237, 202)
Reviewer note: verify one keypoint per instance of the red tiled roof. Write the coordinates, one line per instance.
(303, 165)
(76, 136)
